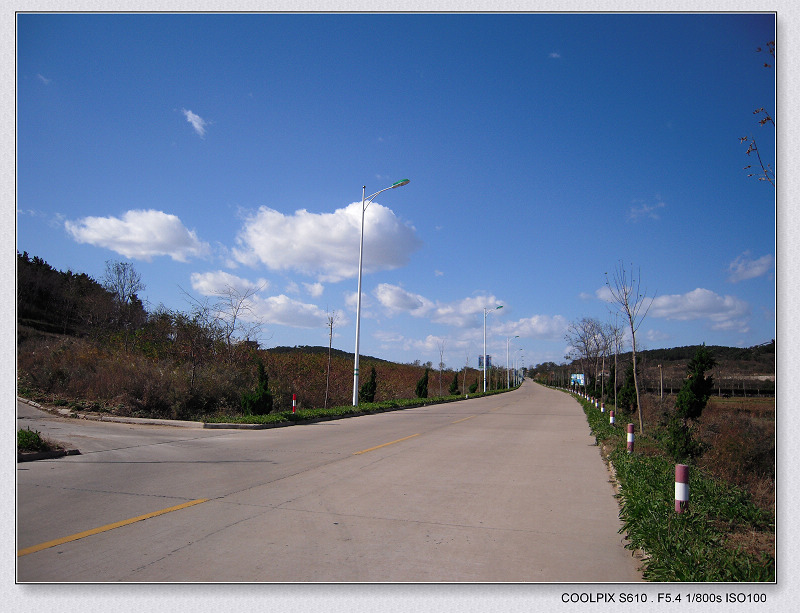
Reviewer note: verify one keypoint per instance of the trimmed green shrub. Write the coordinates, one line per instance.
(31, 440)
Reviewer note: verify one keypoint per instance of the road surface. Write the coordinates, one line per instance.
(509, 488)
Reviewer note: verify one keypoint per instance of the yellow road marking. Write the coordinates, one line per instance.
(93, 531)
(465, 419)
(385, 444)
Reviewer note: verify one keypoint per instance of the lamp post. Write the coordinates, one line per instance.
(508, 364)
(485, 310)
(365, 202)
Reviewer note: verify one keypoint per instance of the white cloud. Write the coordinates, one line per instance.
(325, 245)
(744, 267)
(198, 123)
(315, 290)
(397, 300)
(656, 336)
(351, 300)
(425, 347)
(351, 304)
(217, 282)
(461, 313)
(273, 310)
(725, 312)
(44, 79)
(645, 210)
(554, 55)
(285, 311)
(388, 337)
(542, 327)
(139, 235)
(604, 294)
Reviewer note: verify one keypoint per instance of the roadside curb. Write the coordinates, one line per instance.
(177, 423)
(31, 456)
(122, 420)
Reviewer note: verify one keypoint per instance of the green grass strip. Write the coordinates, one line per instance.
(692, 546)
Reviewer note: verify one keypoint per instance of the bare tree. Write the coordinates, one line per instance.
(767, 171)
(234, 312)
(332, 319)
(231, 317)
(615, 332)
(122, 280)
(585, 338)
(441, 344)
(606, 341)
(466, 366)
(634, 305)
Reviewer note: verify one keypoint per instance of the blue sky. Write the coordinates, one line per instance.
(542, 149)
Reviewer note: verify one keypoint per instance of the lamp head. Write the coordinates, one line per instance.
(400, 183)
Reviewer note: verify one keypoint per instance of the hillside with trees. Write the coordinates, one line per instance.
(739, 371)
(92, 345)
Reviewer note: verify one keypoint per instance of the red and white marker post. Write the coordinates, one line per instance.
(611, 417)
(681, 487)
(294, 403)
(630, 438)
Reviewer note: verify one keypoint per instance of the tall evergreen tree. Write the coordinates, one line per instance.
(258, 402)
(696, 390)
(454, 385)
(422, 385)
(626, 397)
(692, 399)
(367, 391)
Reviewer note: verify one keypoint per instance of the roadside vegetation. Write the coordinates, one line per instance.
(93, 347)
(727, 532)
(32, 441)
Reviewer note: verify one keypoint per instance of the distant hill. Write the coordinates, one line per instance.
(756, 358)
(764, 353)
(313, 350)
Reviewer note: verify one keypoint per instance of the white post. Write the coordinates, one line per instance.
(365, 202)
(508, 367)
(484, 349)
(358, 303)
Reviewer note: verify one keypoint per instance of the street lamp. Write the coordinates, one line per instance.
(484, 342)
(365, 202)
(508, 364)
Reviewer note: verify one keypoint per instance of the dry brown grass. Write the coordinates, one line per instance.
(738, 438)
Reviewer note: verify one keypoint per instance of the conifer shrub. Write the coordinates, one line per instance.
(422, 385)
(368, 389)
(689, 404)
(259, 401)
(454, 385)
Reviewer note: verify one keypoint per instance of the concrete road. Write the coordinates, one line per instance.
(504, 489)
